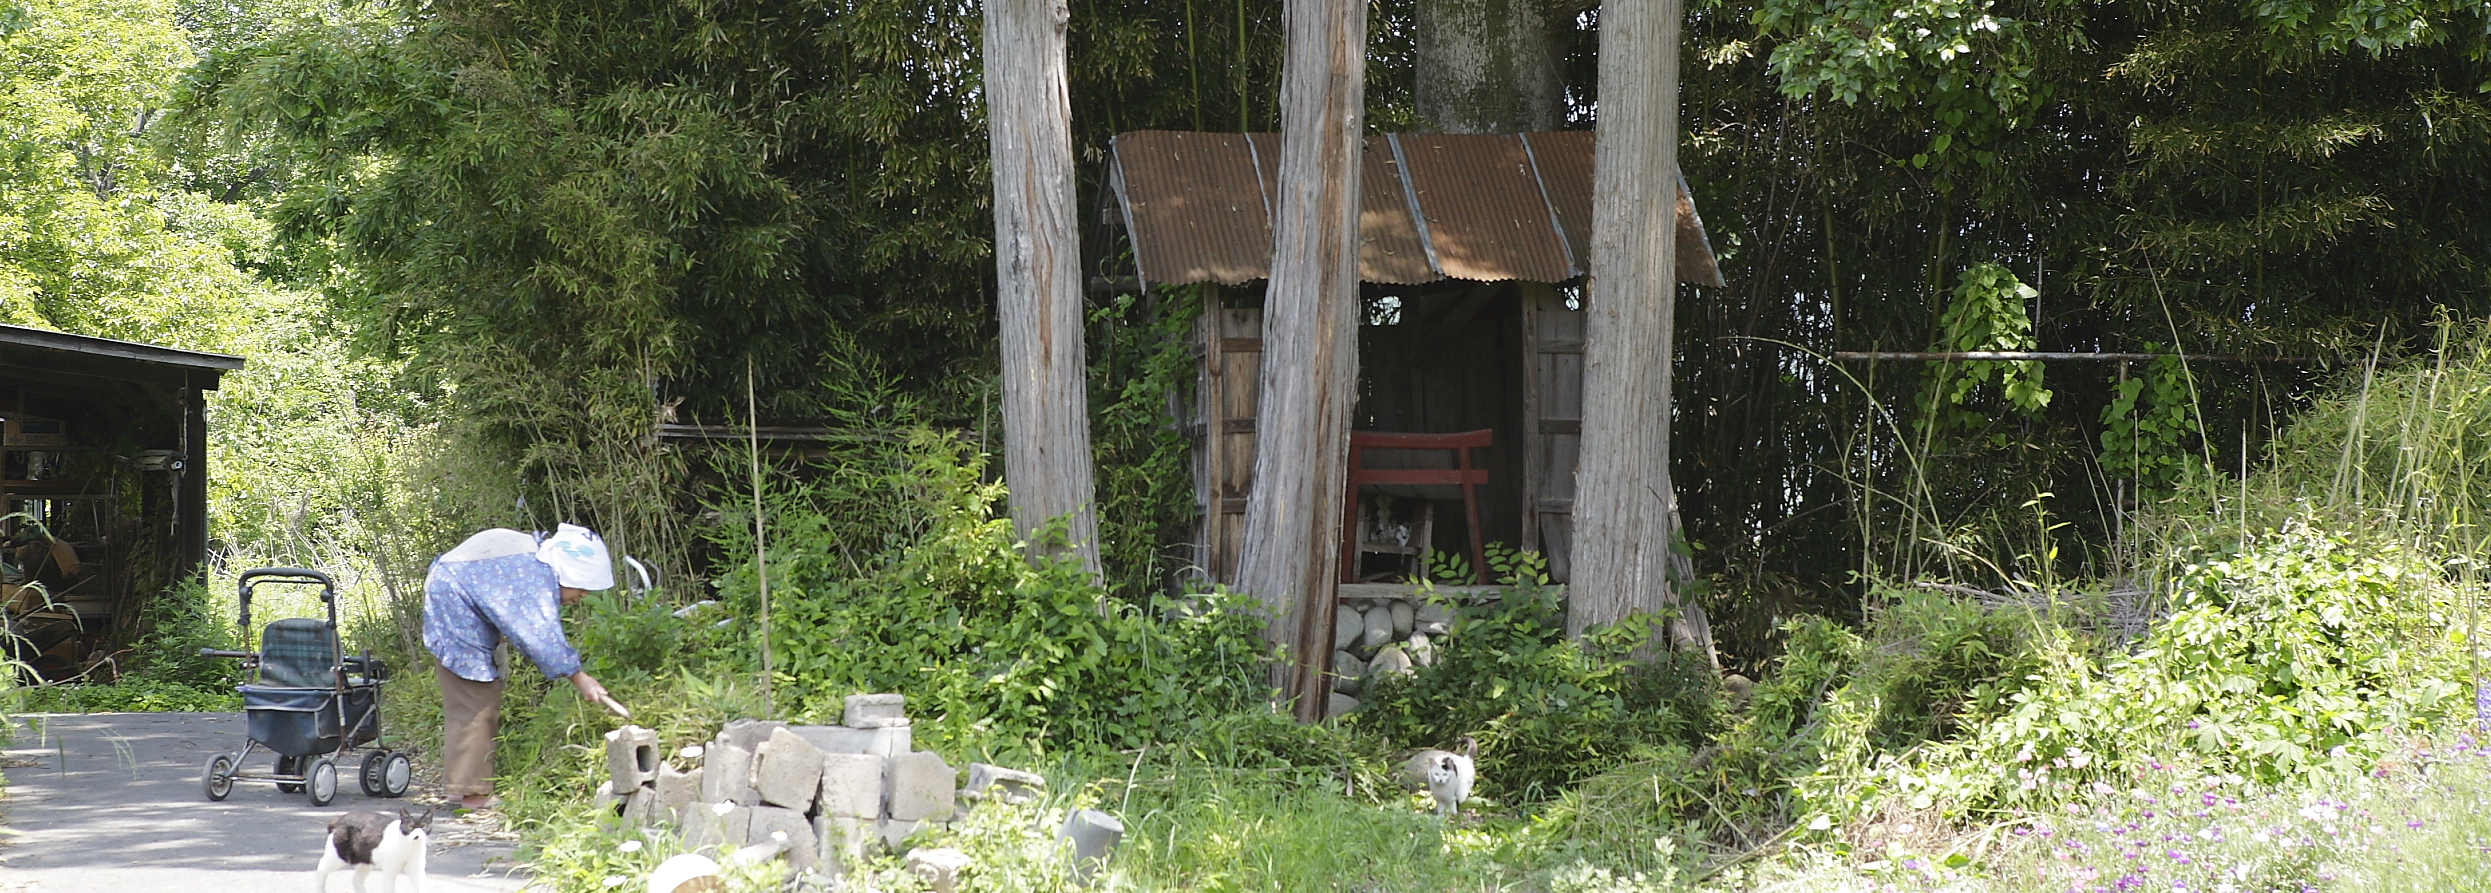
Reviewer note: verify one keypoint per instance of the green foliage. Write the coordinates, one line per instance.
(1964, 65)
(1146, 507)
(890, 571)
(178, 623)
(2303, 648)
(2408, 444)
(135, 694)
(2150, 429)
(1990, 313)
(621, 635)
(1547, 711)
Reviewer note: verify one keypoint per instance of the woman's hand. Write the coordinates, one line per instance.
(590, 689)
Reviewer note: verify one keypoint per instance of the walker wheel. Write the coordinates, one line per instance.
(397, 775)
(321, 781)
(290, 766)
(219, 778)
(386, 774)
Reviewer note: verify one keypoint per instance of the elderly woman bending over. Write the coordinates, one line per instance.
(503, 585)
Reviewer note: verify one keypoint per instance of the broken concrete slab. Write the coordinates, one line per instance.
(726, 775)
(712, 825)
(640, 808)
(938, 867)
(802, 854)
(918, 786)
(675, 790)
(851, 785)
(843, 842)
(1009, 785)
(787, 771)
(749, 733)
(894, 832)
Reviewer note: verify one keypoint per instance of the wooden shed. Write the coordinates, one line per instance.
(103, 482)
(1472, 253)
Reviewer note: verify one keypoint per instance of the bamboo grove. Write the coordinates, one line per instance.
(576, 220)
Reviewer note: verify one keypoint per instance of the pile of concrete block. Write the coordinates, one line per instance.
(837, 792)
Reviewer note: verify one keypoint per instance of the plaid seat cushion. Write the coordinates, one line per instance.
(298, 653)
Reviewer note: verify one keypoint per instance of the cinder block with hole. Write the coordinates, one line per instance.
(631, 758)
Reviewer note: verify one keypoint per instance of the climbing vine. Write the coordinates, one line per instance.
(2150, 429)
(1989, 313)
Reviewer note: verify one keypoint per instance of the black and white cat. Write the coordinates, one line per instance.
(368, 840)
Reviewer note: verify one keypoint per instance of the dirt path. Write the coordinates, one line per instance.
(110, 803)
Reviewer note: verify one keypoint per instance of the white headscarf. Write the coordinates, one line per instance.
(578, 557)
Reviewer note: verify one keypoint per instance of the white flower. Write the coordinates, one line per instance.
(614, 880)
(630, 846)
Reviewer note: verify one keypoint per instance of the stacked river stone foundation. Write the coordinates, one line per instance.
(1377, 637)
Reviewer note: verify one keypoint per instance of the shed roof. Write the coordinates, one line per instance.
(1482, 207)
(61, 352)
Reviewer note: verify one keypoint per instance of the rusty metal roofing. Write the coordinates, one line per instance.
(1389, 247)
(1482, 207)
(1207, 228)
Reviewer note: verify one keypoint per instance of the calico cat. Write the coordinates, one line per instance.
(367, 840)
(1449, 777)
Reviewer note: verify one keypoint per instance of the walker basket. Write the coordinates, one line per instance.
(298, 722)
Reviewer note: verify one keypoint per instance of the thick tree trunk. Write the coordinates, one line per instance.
(1046, 415)
(1486, 66)
(1310, 343)
(1624, 497)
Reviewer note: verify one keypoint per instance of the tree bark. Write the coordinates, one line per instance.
(1291, 555)
(1624, 498)
(1046, 415)
(1486, 66)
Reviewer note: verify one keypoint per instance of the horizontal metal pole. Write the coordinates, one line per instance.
(2046, 355)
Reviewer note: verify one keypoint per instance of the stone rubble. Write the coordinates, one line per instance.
(939, 867)
(835, 794)
(1008, 785)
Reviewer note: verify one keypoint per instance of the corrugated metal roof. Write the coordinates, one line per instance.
(1206, 227)
(1486, 214)
(1389, 248)
(1482, 207)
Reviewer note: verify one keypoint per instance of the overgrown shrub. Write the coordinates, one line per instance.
(176, 624)
(891, 571)
(1546, 710)
(2304, 648)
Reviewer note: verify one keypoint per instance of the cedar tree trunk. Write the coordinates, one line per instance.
(1046, 414)
(1623, 498)
(1486, 66)
(1292, 547)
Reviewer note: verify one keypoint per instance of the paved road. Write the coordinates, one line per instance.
(110, 803)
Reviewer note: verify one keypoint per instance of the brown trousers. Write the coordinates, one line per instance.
(471, 716)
